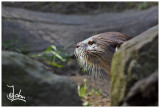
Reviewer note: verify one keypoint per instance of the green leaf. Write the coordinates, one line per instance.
(58, 56)
(54, 47)
(50, 48)
(55, 64)
(98, 93)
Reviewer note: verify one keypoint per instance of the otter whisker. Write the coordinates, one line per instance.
(96, 53)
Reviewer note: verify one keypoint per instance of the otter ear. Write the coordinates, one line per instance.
(114, 46)
(117, 47)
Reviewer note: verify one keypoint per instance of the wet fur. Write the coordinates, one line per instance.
(99, 55)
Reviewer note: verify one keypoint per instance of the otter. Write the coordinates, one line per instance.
(96, 52)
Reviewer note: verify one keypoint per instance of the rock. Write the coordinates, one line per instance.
(136, 60)
(144, 92)
(40, 88)
(37, 30)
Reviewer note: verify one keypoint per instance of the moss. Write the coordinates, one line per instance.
(118, 79)
(132, 63)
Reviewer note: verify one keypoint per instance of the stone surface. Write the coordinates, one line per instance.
(40, 88)
(38, 30)
(136, 59)
(144, 92)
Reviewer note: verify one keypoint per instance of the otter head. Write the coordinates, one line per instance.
(97, 51)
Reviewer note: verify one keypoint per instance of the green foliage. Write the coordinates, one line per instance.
(83, 70)
(56, 53)
(84, 93)
(81, 7)
(55, 64)
(54, 56)
(7, 44)
(143, 5)
(95, 92)
(11, 45)
(146, 5)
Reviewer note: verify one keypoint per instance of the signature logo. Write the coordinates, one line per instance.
(12, 96)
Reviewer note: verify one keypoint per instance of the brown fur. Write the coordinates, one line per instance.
(100, 53)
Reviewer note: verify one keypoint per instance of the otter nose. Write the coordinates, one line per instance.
(77, 46)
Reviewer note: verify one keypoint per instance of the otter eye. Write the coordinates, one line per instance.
(90, 43)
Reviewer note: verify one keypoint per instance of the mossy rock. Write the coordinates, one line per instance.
(136, 59)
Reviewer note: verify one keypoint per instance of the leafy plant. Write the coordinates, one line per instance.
(95, 92)
(11, 45)
(54, 56)
(7, 44)
(84, 93)
(143, 5)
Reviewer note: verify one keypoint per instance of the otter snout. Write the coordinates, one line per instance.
(81, 45)
(78, 45)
